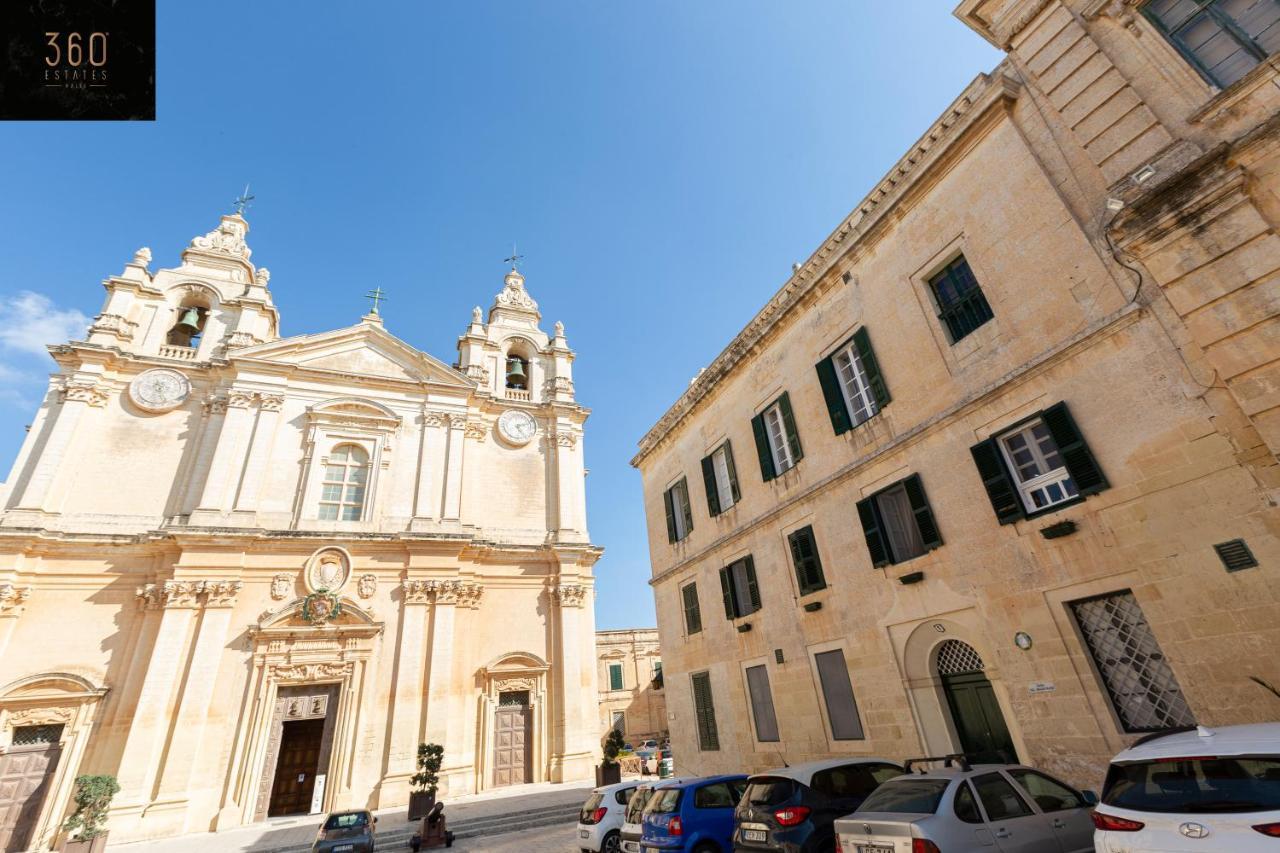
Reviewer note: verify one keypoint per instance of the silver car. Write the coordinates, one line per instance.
(960, 808)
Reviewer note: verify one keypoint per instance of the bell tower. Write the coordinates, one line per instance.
(214, 302)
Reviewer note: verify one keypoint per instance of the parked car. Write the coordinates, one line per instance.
(346, 832)
(960, 808)
(1194, 789)
(691, 815)
(600, 821)
(794, 809)
(631, 829)
(649, 744)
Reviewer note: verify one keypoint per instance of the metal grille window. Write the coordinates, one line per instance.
(962, 307)
(513, 698)
(1138, 678)
(1223, 39)
(345, 475)
(956, 657)
(704, 712)
(36, 735)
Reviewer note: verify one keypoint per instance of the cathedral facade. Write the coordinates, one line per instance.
(248, 575)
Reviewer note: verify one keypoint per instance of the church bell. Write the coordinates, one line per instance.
(515, 372)
(189, 324)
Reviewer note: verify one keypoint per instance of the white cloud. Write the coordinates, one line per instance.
(30, 321)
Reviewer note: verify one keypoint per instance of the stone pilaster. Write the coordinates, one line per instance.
(228, 457)
(571, 503)
(427, 498)
(79, 397)
(453, 468)
(574, 723)
(12, 599)
(407, 692)
(264, 435)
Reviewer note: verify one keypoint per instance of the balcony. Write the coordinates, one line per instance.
(518, 394)
(180, 353)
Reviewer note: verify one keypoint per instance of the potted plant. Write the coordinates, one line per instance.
(423, 796)
(610, 771)
(93, 796)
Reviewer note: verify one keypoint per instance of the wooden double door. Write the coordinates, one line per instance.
(296, 767)
(984, 737)
(298, 750)
(513, 728)
(26, 772)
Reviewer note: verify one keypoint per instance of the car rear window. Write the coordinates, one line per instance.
(1196, 785)
(665, 801)
(592, 803)
(910, 796)
(636, 804)
(769, 790)
(346, 821)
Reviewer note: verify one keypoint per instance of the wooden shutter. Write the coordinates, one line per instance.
(804, 553)
(615, 676)
(705, 712)
(692, 612)
(762, 448)
(733, 471)
(753, 588)
(709, 483)
(685, 506)
(872, 529)
(1075, 453)
(789, 426)
(762, 704)
(726, 589)
(997, 481)
(924, 515)
(862, 343)
(836, 407)
(671, 516)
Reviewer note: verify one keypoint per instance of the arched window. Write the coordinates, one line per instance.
(345, 476)
(187, 330)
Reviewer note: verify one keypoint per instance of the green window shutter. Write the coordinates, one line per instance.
(924, 515)
(692, 612)
(831, 392)
(685, 505)
(726, 589)
(762, 448)
(709, 483)
(705, 712)
(1075, 453)
(871, 529)
(615, 676)
(862, 343)
(996, 480)
(671, 516)
(753, 588)
(804, 553)
(789, 424)
(733, 472)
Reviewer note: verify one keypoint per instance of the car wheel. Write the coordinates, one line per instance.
(611, 844)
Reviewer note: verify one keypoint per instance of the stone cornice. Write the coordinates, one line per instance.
(1003, 27)
(922, 160)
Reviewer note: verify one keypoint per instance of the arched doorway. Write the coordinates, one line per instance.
(975, 712)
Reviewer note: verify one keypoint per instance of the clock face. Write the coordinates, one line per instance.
(517, 427)
(159, 390)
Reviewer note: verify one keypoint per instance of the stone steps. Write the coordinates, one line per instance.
(390, 837)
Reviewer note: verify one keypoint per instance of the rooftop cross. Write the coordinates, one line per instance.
(244, 200)
(375, 296)
(514, 260)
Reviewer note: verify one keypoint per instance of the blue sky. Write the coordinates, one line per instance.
(660, 164)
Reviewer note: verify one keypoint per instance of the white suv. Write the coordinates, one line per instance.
(600, 821)
(1199, 789)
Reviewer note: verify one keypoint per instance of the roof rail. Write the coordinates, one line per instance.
(1177, 730)
(947, 760)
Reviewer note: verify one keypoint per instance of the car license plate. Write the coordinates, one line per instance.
(754, 835)
(874, 848)
(582, 833)
(344, 847)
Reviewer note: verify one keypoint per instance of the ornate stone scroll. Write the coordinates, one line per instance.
(570, 595)
(172, 593)
(13, 596)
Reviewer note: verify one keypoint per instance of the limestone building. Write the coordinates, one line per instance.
(249, 574)
(995, 470)
(629, 672)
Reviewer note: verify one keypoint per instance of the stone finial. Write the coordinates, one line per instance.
(514, 297)
(142, 257)
(477, 316)
(262, 276)
(559, 327)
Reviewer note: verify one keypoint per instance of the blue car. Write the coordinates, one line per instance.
(691, 815)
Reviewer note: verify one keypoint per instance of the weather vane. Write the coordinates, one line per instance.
(375, 296)
(514, 260)
(243, 201)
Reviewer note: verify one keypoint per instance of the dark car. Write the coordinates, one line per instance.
(346, 832)
(794, 809)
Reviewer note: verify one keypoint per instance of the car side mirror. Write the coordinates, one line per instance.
(1090, 797)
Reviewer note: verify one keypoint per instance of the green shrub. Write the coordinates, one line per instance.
(430, 756)
(93, 796)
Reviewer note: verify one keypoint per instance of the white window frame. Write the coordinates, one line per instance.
(720, 466)
(349, 466)
(776, 433)
(859, 400)
(1059, 476)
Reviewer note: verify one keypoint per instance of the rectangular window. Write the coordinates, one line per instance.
(804, 554)
(704, 712)
(962, 307)
(777, 442)
(898, 522)
(1039, 465)
(615, 676)
(1223, 39)
(739, 588)
(837, 694)
(851, 383)
(720, 478)
(1143, 689)
(762, 704)
(620, 721)
(679, 513)
(692, 611)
